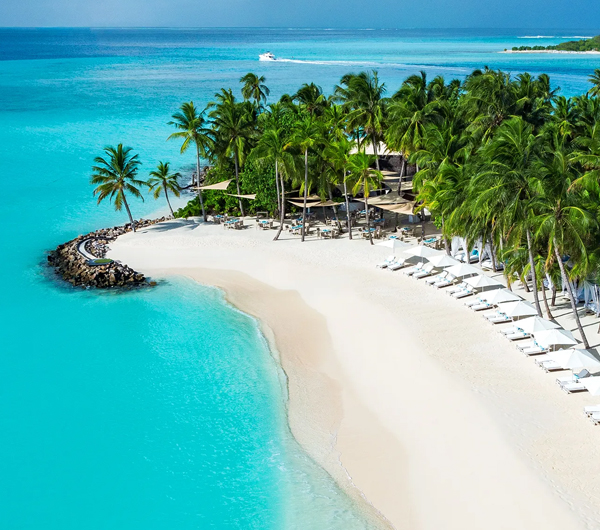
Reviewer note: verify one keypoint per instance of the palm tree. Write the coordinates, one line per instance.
(272, 147)
(116, 175)
(364, 178)
(233, 124)
(303, 137)
(162, 180)
(191, 129)
(337, 153)
(595, 80)
(310, 99)
(505, 185)
(363, 97)
(254, 88)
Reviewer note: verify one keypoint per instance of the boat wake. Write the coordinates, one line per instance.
(365, 64)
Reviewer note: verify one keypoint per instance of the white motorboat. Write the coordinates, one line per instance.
(268, 56)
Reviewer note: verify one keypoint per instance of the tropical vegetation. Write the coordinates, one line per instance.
(499, 160)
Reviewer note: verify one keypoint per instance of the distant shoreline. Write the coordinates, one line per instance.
(591, 52)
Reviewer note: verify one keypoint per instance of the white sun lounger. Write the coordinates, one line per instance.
(398, 264)
(508, 331)
(481, 307)
(386, 263)
(445, 282)
(464, 293)
(591, 409)
(574, 386)
(497, 318)
(457, 288)
(595, 417)
(476, 301)
(425, 271)
(416, 268)
(517, 335)
(551, 366)
(436, 278)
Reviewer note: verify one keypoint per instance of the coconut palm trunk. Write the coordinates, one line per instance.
(128, 211)
(282, 211)
(565, 279)
(368, 220)
(402, 171)
(305, 193)
(168, 201)
(198, 182)
(546, 306)
(536, 297)
(237, 182)
(348, 220)
(277, 187)
(375, 152)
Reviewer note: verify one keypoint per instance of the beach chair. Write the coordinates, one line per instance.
(399, 264)
(595, 417)
(468, 291)
(572, 387)
(591, 409)
(535, 350)
(436, 278)
(389, 261)
(497, 318)
(445, 282)
(512, 329)
(457, 288)
(517, 335)
(416, 268)
(424, 272)
(481, 307)
(475, 301)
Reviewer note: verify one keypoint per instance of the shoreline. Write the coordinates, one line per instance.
(437, 410)
(307, 389)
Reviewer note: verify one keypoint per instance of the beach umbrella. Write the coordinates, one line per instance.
(394, 244)
(592, 384)
(422, 251)
(502, 295)
(517, 309)
(552, 337)
(482, 281)
(443, 260)
(575, 359)
(462, 269)
(535, 324)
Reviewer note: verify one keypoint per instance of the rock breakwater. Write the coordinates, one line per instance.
(82, 261)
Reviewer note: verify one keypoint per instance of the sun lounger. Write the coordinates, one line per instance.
(436, 278)
(572, 387)
(534, 349)
(475, 301)
(412, 270)
(517, 335)
(398, 264)
(464, 293)
(389, 261)
(497, 318)
(481, 307)
(445, 282)
(425, 271)
(591, 409)
(595, 417)
(551, 366)
(457, 288)
(512, 329)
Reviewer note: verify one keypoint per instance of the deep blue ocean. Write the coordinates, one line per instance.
(163, 408)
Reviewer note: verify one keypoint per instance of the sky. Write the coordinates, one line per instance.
(551, 14)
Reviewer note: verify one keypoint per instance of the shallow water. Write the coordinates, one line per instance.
(160, 408)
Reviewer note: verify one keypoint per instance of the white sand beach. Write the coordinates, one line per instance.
(411, 401)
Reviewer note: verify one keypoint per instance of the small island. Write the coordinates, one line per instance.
(591, 45)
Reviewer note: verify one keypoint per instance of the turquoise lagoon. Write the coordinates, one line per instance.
(161, 408)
